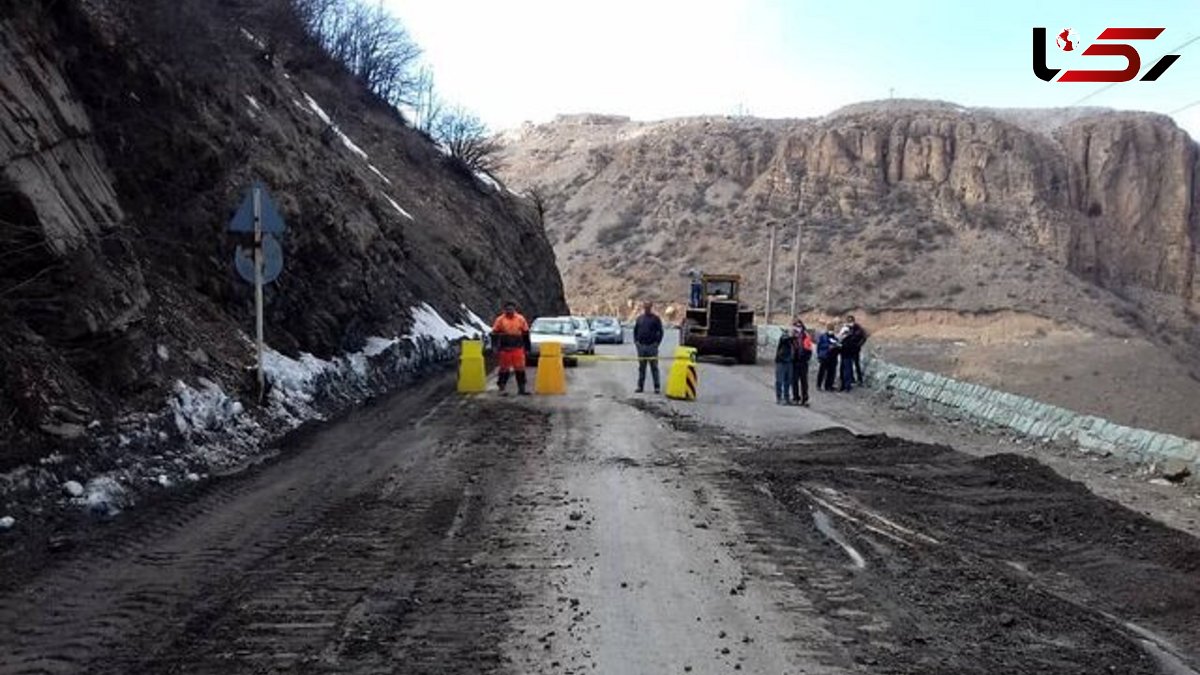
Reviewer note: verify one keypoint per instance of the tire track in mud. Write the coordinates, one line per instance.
(989, 565)
(953, 564)
(326, 561)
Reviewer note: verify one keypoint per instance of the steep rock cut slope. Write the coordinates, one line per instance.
(129, 132)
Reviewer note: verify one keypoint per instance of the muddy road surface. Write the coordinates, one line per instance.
(609, 532)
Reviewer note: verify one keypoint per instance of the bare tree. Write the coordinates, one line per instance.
(466, 138)
(537, 196)
(371, 43)
(426, 104)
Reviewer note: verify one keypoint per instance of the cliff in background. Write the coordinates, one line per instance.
(900, 204)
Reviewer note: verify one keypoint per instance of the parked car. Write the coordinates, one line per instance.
(608, 330)
(560, 329)
(586, 338)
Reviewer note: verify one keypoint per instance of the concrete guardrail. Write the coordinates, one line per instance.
(1026, 416)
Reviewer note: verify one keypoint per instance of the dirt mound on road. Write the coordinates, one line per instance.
(981, 565)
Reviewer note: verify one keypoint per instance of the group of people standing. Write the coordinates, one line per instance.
(838, 351)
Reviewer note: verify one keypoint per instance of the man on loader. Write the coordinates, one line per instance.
(510, 334)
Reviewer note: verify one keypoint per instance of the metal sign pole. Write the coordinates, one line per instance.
(258, 287)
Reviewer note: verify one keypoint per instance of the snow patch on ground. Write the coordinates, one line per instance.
(7, 523)
(292, 379)
(377, 345)
(317, 109)
(202, 430)
(253, 103)
(253, 39)
(163, 352)
(320, 112)
(396, 206)
(104, 496)
(488, 181)
(430, 325)
(202, 409)
(476, 321)
(377, 172)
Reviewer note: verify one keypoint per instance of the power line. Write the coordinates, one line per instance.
(1106, 87)
(1190, 105)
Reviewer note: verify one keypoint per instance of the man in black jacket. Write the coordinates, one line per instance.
(648, 335)
(852, 346)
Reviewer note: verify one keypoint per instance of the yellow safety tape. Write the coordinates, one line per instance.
(616, 358)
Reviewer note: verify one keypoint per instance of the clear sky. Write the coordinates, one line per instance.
(517, 60)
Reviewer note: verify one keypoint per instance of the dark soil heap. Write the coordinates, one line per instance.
(129, 132)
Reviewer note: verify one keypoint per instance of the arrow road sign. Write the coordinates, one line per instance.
(243, 220)
(243, 259)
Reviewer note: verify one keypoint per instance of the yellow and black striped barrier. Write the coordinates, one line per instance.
(683, 381)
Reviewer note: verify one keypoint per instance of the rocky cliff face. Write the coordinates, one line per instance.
(898, 204)
(129, 132)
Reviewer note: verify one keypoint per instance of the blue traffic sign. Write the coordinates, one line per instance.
(272, 252)
(243, 220)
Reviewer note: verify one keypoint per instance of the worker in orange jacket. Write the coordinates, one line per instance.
(510, 334)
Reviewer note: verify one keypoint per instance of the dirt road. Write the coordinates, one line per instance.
(605, 532)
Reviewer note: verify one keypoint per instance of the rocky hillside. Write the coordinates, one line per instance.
(129, 132)
(1084, 218)
(1110, 197)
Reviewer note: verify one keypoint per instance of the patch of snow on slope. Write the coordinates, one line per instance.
(253, 102)
(350, 145)
(103, 496)
(377, 345)
(377, 172)
(316, 108)
(476, 321)
(488, 180)
(396, 206)
(427, 323)
(251, 37)
(203, 409)
(291, 379)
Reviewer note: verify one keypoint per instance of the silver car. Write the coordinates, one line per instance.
(608, 330)
(560, 329)
(585, 338)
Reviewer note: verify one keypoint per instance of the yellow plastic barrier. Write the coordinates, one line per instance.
(472, 374)
(683, 380)
(551, 376)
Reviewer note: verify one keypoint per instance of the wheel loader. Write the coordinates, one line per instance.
(717, 323)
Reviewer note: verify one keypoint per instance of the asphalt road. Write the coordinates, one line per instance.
(609, 532)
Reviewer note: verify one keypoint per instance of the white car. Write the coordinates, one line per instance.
(560, 329)
(586, 339)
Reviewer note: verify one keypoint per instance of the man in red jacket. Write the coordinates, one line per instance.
(510, 333)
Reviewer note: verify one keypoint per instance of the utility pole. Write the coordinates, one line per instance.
(796, 271)
(770, 272)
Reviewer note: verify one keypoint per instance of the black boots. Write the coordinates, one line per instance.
(521, 383)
